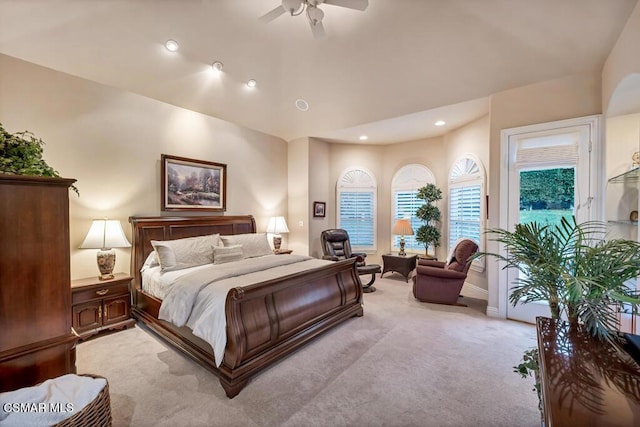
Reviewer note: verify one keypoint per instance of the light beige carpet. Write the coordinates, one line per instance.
(404, 363)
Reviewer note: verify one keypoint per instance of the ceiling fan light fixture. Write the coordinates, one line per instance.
(293, 7)
(252, 83)
(314, 14)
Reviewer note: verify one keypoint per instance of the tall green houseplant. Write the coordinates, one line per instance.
(428, 234)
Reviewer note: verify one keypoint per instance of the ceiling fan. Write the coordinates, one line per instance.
(313, 12)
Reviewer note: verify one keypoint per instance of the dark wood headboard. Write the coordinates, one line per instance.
(147, 228)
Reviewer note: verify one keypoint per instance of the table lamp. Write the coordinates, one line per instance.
(276, 226)
(105, 234)
(402, 227)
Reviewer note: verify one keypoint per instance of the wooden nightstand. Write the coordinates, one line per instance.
(283, 251)
(101, 304)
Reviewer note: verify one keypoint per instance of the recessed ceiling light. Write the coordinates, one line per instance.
(363, 137)
(440, 123)
(171, 45)
(252, 83)
(217, 66)
(302, 105)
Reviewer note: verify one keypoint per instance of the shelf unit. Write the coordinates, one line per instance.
(623, 222)
(628, 320)
(632, 175)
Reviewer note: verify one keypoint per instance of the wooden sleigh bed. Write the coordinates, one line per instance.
(265, 321)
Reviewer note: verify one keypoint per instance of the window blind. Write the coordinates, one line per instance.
(357, 217)
(464, 213)
(405, 207)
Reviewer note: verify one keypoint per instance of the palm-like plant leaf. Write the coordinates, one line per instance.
(570, 265)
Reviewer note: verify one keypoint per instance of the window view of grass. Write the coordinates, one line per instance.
(547, 195)
(544, 216)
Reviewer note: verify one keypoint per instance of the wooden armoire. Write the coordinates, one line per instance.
(36, 339)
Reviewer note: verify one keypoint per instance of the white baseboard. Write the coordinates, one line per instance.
(493, 312)
(472, 291)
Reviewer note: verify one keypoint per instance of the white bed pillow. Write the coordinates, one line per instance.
(224, 254)
(151, 261)
(184, 253)
(253, 244)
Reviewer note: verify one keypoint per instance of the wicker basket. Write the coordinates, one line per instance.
(95, 414)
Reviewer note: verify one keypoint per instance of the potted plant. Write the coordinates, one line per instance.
(428, 234)
(576, 270)
(21, 154)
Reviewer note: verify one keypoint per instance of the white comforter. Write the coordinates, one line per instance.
(197, 299)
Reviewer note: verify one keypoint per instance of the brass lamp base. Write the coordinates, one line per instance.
(106, 263)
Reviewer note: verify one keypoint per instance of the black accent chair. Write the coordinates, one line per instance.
(336, 246)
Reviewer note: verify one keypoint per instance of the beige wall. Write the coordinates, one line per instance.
(383, 161)
(568, 97)
(298, 185)
(320, 190)
(622, 136)
(111, 142)
(623, 60)
(472, 139)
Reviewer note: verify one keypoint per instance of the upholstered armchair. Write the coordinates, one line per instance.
(336, 246)
(439, 282)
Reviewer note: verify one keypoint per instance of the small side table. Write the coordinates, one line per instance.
(400, 264)
(98, 305)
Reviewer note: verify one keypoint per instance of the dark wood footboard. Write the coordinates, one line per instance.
(265, 321)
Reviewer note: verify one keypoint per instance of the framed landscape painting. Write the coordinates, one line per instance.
(189, 184)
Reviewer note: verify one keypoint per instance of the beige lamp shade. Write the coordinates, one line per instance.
(276, 226)
(105, 234)
(402, 227)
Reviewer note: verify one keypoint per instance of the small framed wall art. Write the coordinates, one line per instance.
(189, 184)
(319, 209)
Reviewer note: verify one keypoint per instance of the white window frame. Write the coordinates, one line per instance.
(359, 179)
(410, 177)
(461, 175)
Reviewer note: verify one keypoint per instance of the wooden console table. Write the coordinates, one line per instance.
(585, 382)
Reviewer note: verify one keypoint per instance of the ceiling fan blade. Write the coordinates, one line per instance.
(270, 16)
(318, 30)
(349, 4)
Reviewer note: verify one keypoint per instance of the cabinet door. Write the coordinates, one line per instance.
(87, 316)
(116, 309)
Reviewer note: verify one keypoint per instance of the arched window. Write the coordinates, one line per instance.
(404, 187)
(467, 204)
(356, 202)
